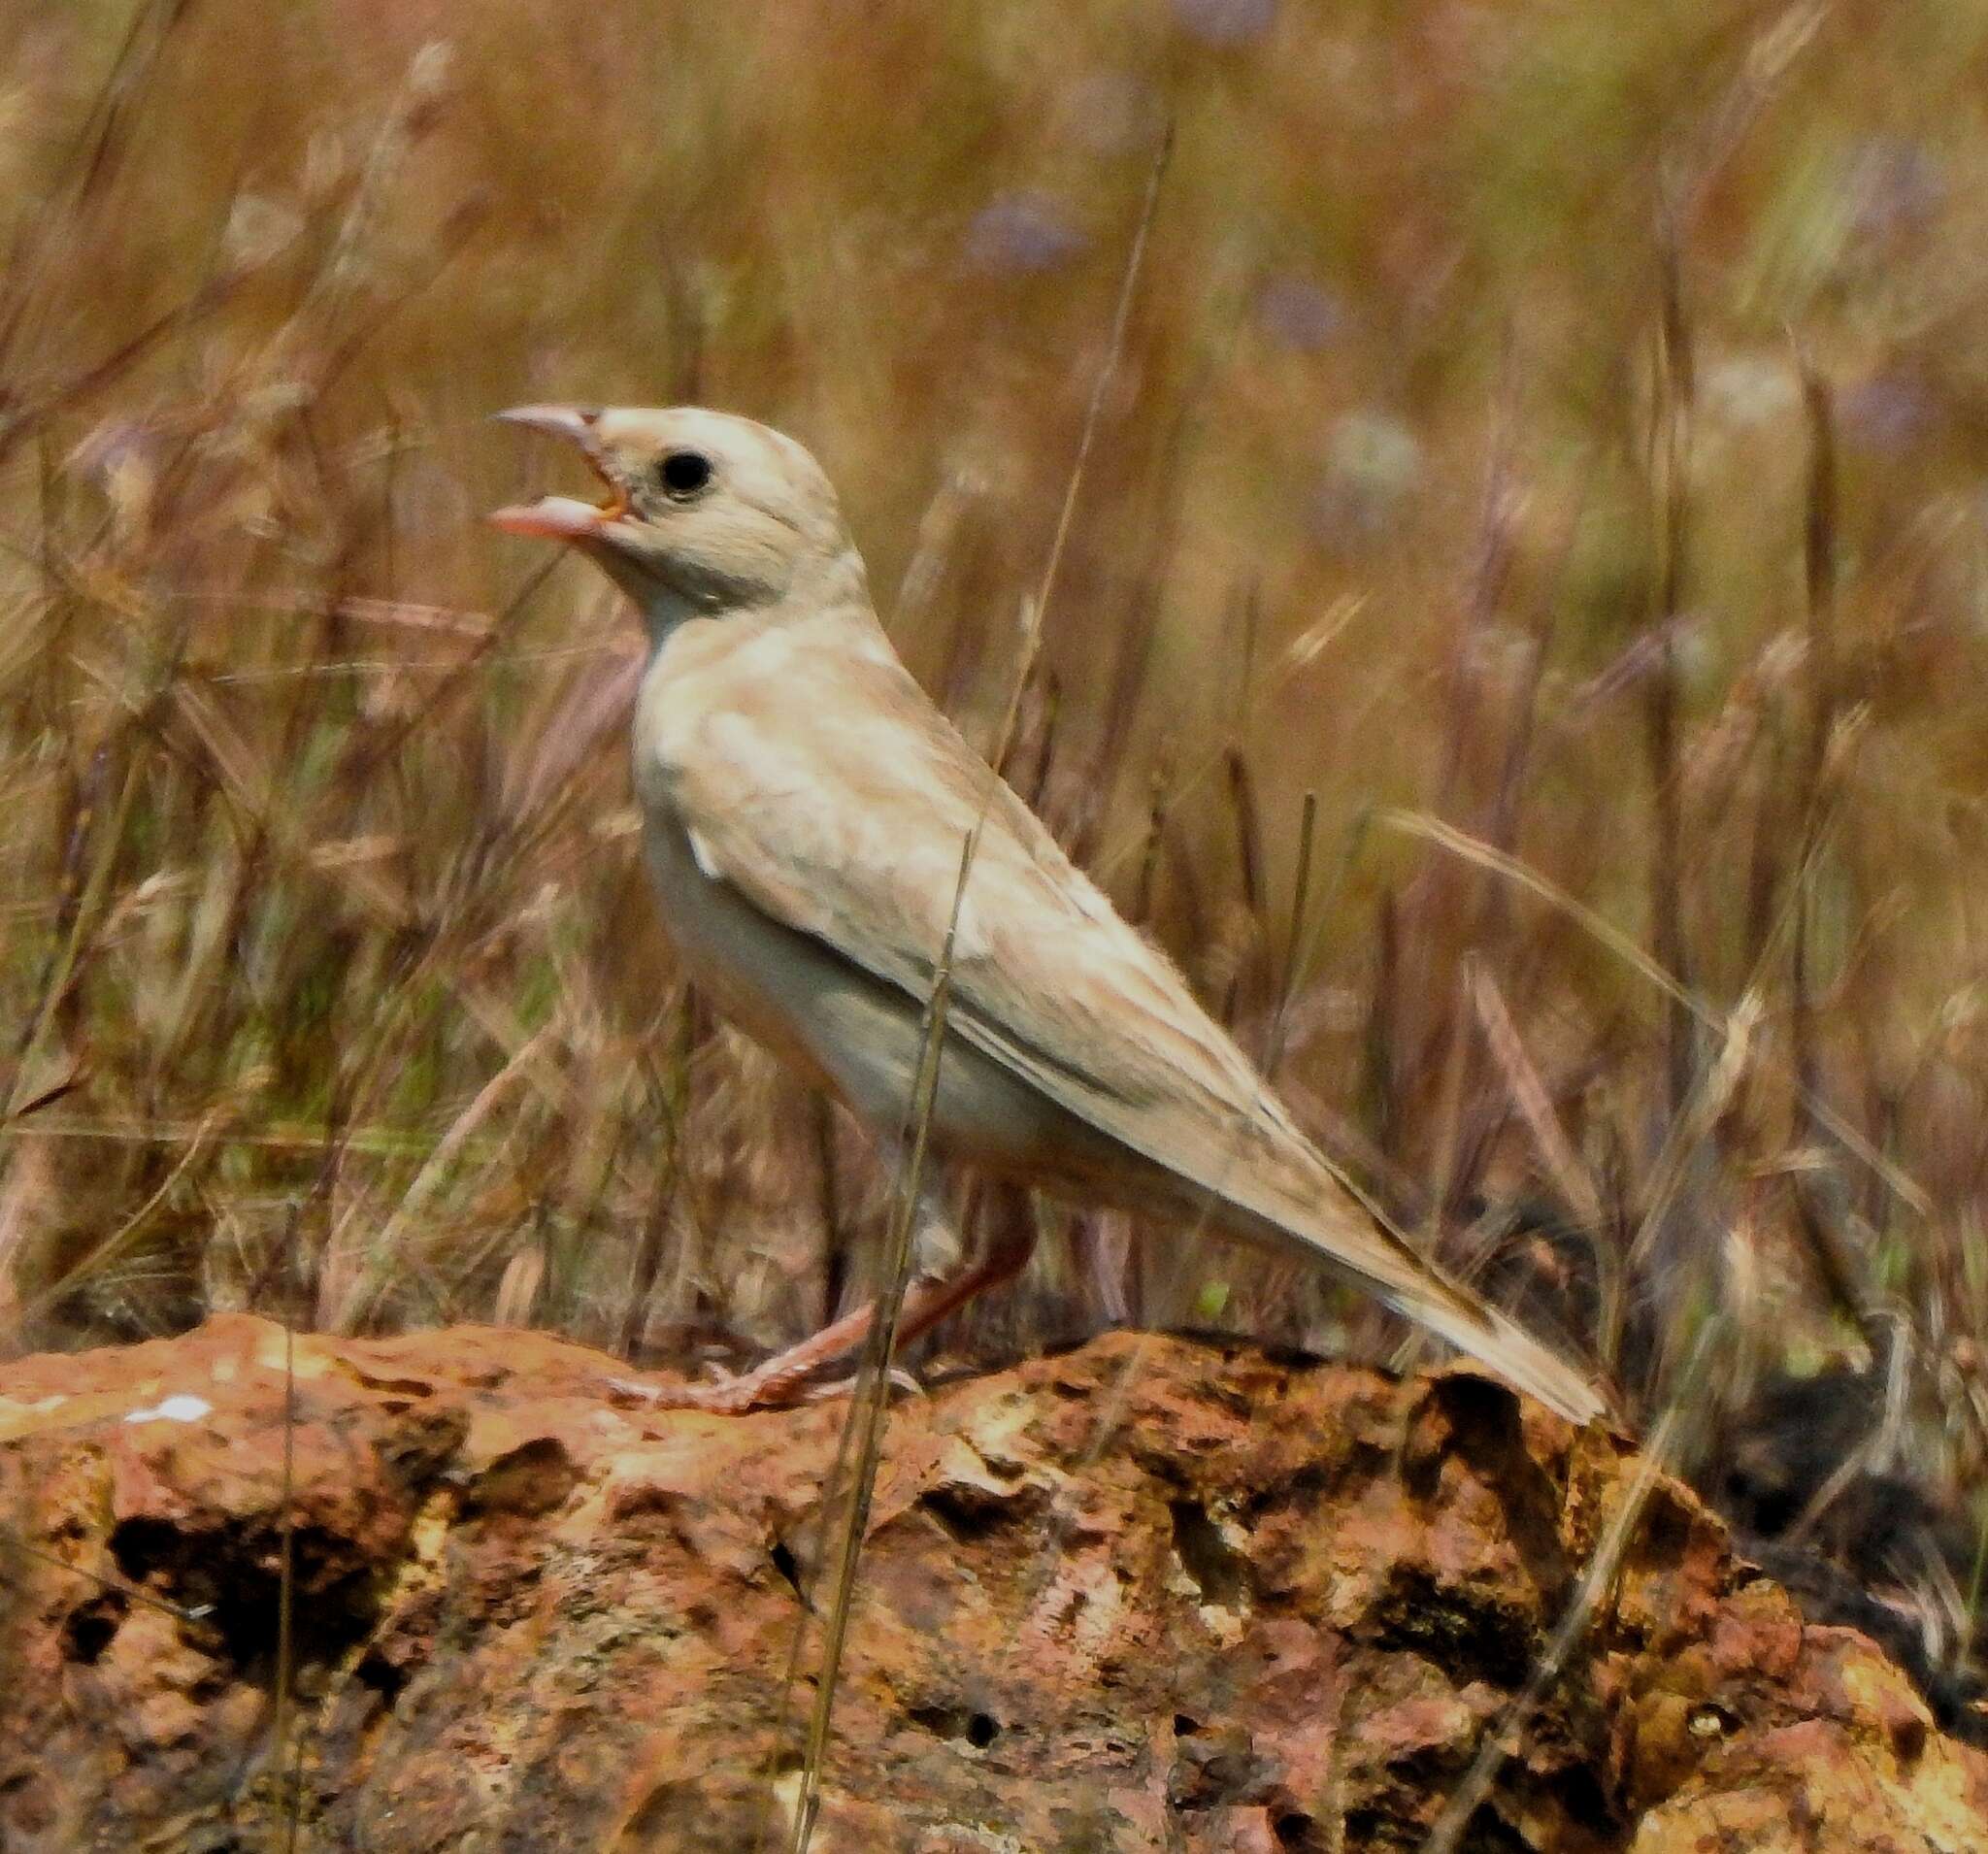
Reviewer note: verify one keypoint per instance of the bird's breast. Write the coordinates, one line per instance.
(848, 1031)
(750, 964)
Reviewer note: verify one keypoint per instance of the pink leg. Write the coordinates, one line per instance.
(778, 1382)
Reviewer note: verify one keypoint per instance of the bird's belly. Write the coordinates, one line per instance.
(846, 1030)
(751, 968)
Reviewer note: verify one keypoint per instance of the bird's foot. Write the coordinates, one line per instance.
(730, 1394)
(735, 1394)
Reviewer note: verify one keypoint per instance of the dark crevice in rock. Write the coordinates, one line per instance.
(961, 1724)
(422, 1444)
(1488, 1433)
(1489, 1833)
(232, 1580)
(1578, 1791)
(971, 1515)
(1832, 1596)
(534, 1478)
(1419, 1614)
(1218, 1769)
(1661, 1536)
(380, 1675)
(1297, 1829)
(1220, 1573)
(91, 1626)
(1305, 1486)
(788, 1565)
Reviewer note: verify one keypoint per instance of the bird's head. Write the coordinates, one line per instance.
(705, 513)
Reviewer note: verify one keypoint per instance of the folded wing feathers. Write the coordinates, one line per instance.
(763, 775)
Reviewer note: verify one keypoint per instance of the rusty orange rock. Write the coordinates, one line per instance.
(1150, 1595)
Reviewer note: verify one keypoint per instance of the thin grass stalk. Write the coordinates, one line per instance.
(91, 158)
(1242, 806)
(1440, 898)
(1819, 581)
(871, 1401)
(131, 1229)
(81, 906)
(12, 1541)
(362, 757)
(1596, 1575)
(1145, 885)
(676, 1104)
(1490, 574)
(1295, 944)
(387, 1247)
(1508, 797)
(1683, 1140)
(1534, 1103)
(58, 602)
(1380, 1064)
(1173, 784)
(1131, 664)
(287, 1596)
(1671, 413)
(871, 1398)
(835, 1266)
(1768, 847)
(1605, 933)
(1840, 1267)
(371, 1143)
(1449, 1175)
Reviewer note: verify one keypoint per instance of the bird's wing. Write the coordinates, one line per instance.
(836, 798)
(839, 800)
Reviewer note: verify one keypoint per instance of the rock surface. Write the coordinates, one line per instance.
(1150, 1595)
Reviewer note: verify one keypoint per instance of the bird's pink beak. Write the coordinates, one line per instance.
(561, 518)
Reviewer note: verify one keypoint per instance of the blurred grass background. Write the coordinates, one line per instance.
(1554, 436)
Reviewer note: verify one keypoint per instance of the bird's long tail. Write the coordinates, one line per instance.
(1374, 1259)
(1498, 1340)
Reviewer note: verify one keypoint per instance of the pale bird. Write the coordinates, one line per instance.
(804, 807)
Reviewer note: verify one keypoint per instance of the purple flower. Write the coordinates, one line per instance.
(1225, 22)
(1297, 314)
(1022, 233)
(1895, 187)
(1889, 411)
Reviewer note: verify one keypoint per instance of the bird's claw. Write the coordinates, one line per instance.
(735, 1394)
(729, 1394)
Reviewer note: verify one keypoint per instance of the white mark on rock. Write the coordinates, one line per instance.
(182, 1409)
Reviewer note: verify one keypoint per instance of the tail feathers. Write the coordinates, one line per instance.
(1367, 1255)
(1508, 1349)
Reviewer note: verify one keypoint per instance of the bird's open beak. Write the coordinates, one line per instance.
(562, 517)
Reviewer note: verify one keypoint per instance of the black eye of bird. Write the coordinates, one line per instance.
(685, 472)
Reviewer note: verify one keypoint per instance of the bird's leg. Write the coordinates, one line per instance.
(931, 1294)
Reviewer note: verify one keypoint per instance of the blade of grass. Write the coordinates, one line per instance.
(1674, 394)
(871, 1401)
(1596, 1575)
(1606, 934)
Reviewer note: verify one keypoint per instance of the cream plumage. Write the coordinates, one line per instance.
(804, 807)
